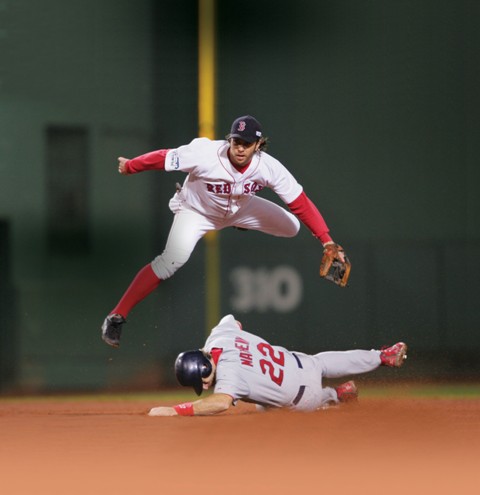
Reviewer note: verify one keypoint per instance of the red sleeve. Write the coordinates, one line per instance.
(215, 353)
(308, 213)
(155, 160)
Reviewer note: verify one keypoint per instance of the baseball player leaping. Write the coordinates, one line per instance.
(218, 192)
(242, 366)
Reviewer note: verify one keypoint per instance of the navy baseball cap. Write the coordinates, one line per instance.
(246, 128)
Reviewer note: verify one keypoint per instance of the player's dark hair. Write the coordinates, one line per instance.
(263, 142)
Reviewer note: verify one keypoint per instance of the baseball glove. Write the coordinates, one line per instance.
(333, 267)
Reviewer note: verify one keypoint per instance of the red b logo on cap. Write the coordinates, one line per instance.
(242, 125)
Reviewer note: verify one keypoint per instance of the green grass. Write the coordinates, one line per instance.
(104, 397)
(429, 390)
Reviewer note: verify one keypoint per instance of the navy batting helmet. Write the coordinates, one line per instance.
(191, 367)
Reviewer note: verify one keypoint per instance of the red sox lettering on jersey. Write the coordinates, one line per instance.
(219, 192)
(226, 188)
(215, 188)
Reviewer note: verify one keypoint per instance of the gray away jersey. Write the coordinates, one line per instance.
(251, 369)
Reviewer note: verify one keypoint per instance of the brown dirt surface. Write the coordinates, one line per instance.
(385, 446)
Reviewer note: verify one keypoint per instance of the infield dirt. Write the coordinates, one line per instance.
(378, 446)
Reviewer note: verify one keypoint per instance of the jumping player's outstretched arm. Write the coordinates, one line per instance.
(304, 208)
(213, 404)
(155, 160)
(122, 165)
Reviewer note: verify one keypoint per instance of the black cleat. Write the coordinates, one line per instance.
(112, 329)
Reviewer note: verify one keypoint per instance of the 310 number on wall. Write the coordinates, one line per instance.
(263, 289)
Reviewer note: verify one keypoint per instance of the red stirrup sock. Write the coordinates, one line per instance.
(143, 284)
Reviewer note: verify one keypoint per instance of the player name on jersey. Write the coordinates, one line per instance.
(243, 346)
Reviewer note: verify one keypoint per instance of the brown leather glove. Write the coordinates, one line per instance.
(335, 266)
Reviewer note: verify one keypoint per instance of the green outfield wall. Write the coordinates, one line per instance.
(373, 106)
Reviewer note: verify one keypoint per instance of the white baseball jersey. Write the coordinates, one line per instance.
(215, 188)
(251, 369)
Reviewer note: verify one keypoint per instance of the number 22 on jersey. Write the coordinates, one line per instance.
(268, 366)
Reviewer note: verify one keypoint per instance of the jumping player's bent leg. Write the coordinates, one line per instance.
(187, 228)
(143, 284)
(261, 214)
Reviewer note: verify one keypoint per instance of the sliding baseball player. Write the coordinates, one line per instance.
(242, 366)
